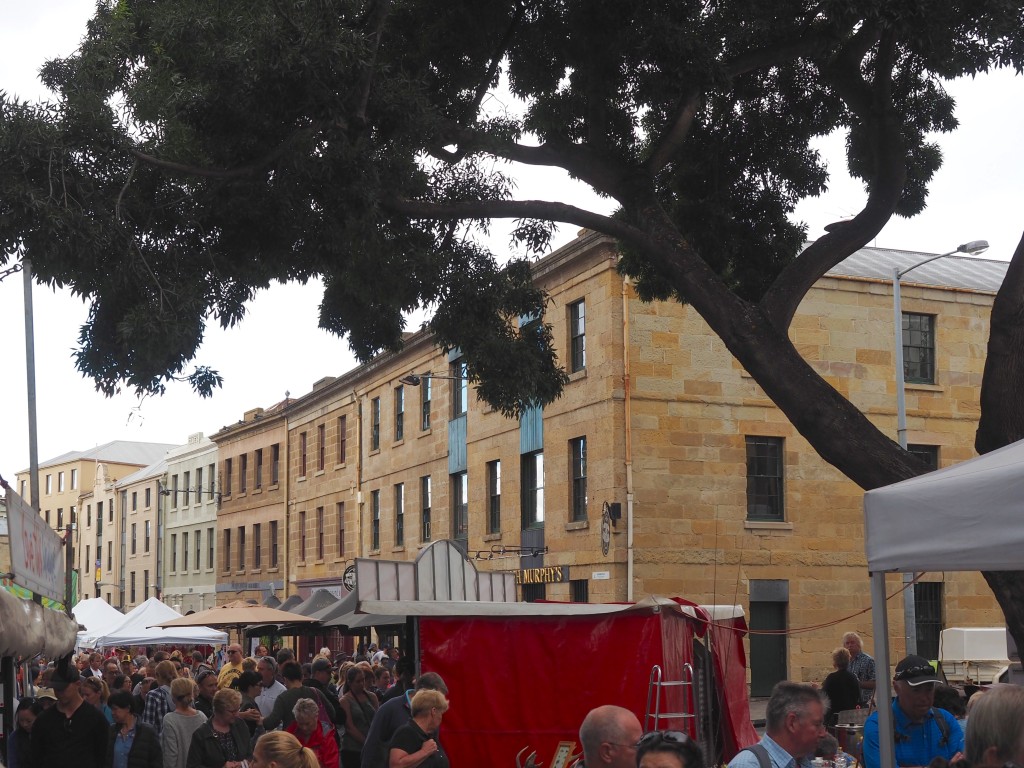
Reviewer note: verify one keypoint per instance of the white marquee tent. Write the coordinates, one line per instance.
(137, 629)
(98, 617)
(968, 517)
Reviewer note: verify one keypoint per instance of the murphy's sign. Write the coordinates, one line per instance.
(553, 574)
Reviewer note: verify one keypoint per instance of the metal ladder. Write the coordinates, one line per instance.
(653, 714)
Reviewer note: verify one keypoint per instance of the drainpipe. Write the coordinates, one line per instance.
(358, 400)
(628, 422)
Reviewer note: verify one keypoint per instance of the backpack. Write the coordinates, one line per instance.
(758, 750)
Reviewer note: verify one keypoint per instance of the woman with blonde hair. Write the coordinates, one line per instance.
(180, 723)
(415, 744)
(223, 741)
(280, 749)
(96, 692)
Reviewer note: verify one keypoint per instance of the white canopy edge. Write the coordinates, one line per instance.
(967, 517)
(442, 608)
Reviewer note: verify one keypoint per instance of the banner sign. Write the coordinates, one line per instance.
(37, 557)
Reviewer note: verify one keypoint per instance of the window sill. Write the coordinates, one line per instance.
(318, 473)
(273, 570)
(492, 537)
(398, 549)
(300, 564)
(338, 560)
(255, 571)
(374, 552)
(340, 466)
(921, 386)
(767, 525)
(425, 432)
(374, 451)
(300, 479)
(273, 487)
(257, 490)
(577, 375)
(318, 562)
(577, 525)
(242, 494)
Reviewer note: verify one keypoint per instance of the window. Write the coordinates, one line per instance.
(148, 498)
(184, 551)
(460, 506)
(375, 520)
(210, 543)
(494, 497)
(145, 585)
(399, 514)
(243, 472)
(110, 555)
(302, 536)
(273, 543)
(928, 617)
(88, 558)
(426, 385)
(929, 454)
(375, 424)
(339, 509)
(257, 480)
(919, 348)
(578, 468)
(186, 480)
(199, 549)
(110, 510)
(532, 495)
(47, 517)
(199, 486)
(275, 463)
(174, 552)
(302, 454)
(74, 517)
(321, 447)
(60, 518)
(764, 479)
(460, 388)
(577, 337)
(319, 533)
(124, 507)
(133, 587)
(225, 481)
(241, 547)
(135, 501)
(49, 484)
(148, 534)
(342, 438)
(227, 549)
(174, 489)
(74, 479)
(88, 516)
(213, 474)
(579, 591)
(425, 508)
(135, 538)
(534, 592)
(60, 482)
(399, 412)
(257, 546)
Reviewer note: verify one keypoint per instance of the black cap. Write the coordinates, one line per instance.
(65, 672)
(320, 664)
(915, 670)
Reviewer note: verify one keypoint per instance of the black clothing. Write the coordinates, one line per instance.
(330, 701)
(843, 690)
(206, 752)
(80, 741)
(145, 751)
(204, 706)
(396, 690)
(410, 738)
(282, 715)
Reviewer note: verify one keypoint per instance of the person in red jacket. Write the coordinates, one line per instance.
(310, 732)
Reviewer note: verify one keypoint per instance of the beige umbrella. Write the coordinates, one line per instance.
(237, 614)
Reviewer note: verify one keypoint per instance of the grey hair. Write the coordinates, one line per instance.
(788, 697)
(306, 708)
(852, 636)
(270, 661)
(996, 721)
(607, 723)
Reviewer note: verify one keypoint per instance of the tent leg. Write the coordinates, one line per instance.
(883, 683)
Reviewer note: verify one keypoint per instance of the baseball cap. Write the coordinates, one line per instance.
(915, 670)
(321, 664)
(45, 693)
(64, 673)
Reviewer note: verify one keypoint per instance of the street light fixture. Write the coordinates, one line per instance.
(415, 379)
(973, 248)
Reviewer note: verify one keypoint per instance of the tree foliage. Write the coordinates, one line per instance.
(198, 151)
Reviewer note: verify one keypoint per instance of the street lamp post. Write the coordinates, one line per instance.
(974, 248)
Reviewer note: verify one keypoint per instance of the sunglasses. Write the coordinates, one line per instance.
(656, 738)
(913, 672)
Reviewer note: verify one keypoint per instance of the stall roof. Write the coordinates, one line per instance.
(441, 608)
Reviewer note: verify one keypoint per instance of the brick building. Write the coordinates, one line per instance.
(663, 469)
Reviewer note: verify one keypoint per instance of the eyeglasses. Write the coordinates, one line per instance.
(654, 738)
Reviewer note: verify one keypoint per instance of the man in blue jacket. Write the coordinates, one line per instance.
(922, 732)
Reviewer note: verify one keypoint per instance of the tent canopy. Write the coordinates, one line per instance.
(138, 628)
(98, 617)
(962, 518)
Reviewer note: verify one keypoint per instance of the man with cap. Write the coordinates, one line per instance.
(72, 732)
(320, 678)
(922, 732)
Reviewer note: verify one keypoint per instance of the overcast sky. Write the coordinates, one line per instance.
(976, 195)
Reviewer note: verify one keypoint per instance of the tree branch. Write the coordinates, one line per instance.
(492, 69)
(670, 141)
(811, 44)
(1002, 412)
(376, 19)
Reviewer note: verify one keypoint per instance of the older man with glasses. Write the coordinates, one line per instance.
(232, 668)
(609, 736)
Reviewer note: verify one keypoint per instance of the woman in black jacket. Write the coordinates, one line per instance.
(131, 737)
(222, 741)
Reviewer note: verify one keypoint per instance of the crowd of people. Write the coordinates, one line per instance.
(224, 710)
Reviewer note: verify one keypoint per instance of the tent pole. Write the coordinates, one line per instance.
(883, 684)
